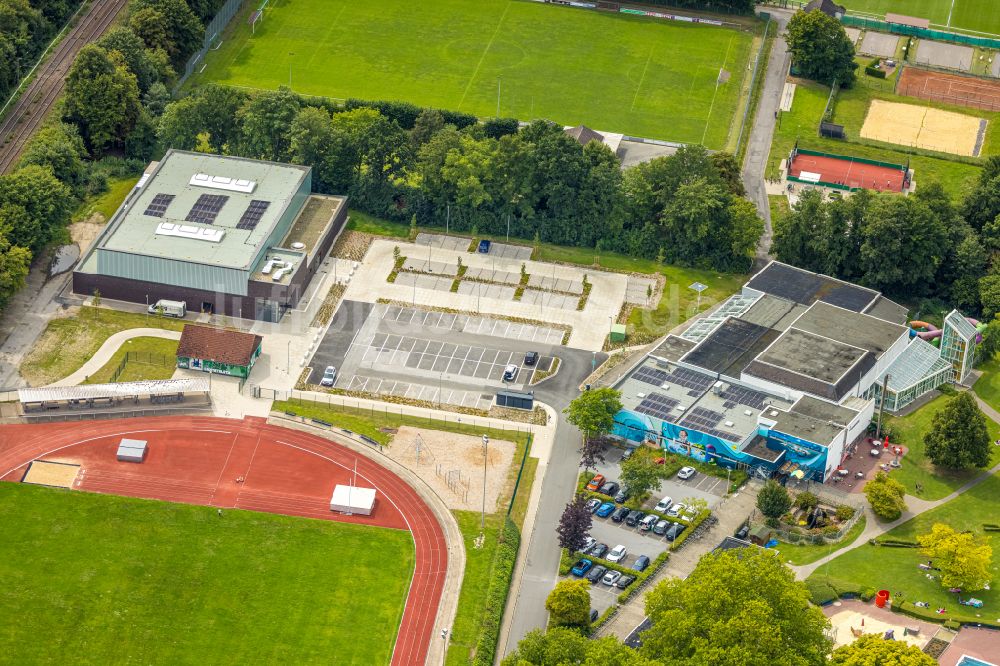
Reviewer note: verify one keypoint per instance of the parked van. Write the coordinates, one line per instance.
(169, 308)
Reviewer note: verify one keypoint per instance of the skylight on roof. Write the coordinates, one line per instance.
(223, 183)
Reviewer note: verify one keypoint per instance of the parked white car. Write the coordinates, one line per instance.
(686, 473)
(664, 504)
(617, 554)
(329, 376)
(677, 509)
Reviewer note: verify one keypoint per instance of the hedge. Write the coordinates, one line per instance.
(567, 560)
(895, 543)
(824, 589)
(991, 527)
(930, 614)
(406, 113)
(496, 597)
(872, 69)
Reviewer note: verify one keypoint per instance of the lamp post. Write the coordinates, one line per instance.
(698, 287)
(288, 359)
(290, 54)
(486, 450)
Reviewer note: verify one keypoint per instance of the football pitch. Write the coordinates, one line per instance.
(967, 15)
(100, 579)
(638, 76)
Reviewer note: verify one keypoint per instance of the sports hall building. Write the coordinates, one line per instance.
(227, 235)
(784, 377)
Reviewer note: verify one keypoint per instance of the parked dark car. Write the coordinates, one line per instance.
(594, 615)
(531, 358)
(592, 504)
(675, 531)
(641, 563)
(484, 246)
(599, 550)
(620, 513)
(581, 568)
(634, 517)
(627, 454)
(625, 581)
(610, 488)
(743, 532)
(661, 527)
(622, 495)
(597, 573)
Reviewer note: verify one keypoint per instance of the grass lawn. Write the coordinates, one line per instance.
(68, 342)
(472, 599)
(806, 553)
(895, 569)
(972, 15)
(363, 222)
(614, 72)
(937, 482)
(106, 204)
(802, 121)
(778, 204)
(104, 579)
(988, 386)
(157, 359)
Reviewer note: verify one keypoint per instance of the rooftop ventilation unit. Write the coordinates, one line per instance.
(222, 183)
(773, 412)
(729, 424)
(718, 387)
(640, 395)
(680, 408)
(189, 231)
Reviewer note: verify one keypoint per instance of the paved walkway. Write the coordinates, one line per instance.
(109, 349)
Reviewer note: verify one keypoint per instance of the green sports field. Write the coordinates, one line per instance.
(638, 76)
(966, 15)
(98, 579)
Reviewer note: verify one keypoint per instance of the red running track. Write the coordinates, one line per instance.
(245, 464)
(848, 172)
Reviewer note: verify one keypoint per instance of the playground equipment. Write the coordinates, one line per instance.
(882, 598)
(971, 601)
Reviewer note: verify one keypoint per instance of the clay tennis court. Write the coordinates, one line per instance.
(246, 464)
(955, 89)
(855, 175)
(923, 127)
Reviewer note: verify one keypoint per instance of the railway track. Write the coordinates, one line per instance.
(33, 106)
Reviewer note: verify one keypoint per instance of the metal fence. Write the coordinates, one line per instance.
(921, 33)
(753, 83)
(212, 31)
(94, 416)
(149, 358)
(989, 100)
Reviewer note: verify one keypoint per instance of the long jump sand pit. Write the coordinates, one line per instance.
(924, 127)
(452, 464)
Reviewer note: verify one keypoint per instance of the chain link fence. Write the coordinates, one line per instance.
(212, 31)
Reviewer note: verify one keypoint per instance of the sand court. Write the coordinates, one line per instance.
(848, 625)
(55, 474)
(924, 127)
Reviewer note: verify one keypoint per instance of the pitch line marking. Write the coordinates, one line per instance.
(950, 10)
(475, 72)
(641, 79)
(333, 24)
(718, 80)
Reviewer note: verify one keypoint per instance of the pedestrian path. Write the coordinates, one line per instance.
(108, 350)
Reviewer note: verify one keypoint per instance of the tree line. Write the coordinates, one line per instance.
(106, 122)
(26, 27)
(922, 246)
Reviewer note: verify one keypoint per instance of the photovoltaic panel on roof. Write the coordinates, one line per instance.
(253, 213)
(206, 208)
(658, 406)
(650, 375)
(158, 206)
(740, 395)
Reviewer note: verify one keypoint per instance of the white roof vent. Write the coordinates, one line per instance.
(680, 408)
(729, 424)
(190, 231)
(222, 183)
(640, 395)
(748, 412)
(773, 412)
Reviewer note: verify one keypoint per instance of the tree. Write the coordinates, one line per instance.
(568, 603)
(989, 294)
(574, 525)
(958, 437)
(561, 646)
(820, 48)
(167, 24)
(267, 122)
(982, 205)
(58, 146)
(33, 204)
(796, 232)
(135, 55)
(885, 494)
(773, 501)
(735, 608)
(14, 265)
(873, 650)
(594, 411)
(102, 98)
(965, 560)
(428, 123)
(592, 452)
(640, 473)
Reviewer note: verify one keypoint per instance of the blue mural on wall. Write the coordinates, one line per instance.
(703, 447)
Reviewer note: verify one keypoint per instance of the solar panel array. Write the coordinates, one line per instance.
(206, 208)
(253, 213)
(658, 406)
(158, 206)
(706, 420)
(744, 396)
(650, 375)
(690, 380)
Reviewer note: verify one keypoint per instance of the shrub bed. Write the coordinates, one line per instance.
(895, 543)
(567, 560)
(824, 589)
(496, 599)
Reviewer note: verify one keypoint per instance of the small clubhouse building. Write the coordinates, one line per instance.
(218, 350)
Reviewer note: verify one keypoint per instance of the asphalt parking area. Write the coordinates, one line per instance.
(504, 251)
(414, 391)
(435, 356)
(457, 243)
(473, 324)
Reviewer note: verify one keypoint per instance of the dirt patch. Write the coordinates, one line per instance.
(84, 232)
(352, 245)
(922, 127)
(452, 465)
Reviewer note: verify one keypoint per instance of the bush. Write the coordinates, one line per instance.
(824, 589)
(868, 594)
(496, 597)
(498, 127)
(954, 625)
(991, 527)
(406, 113)
(844, 512)
(896, 543)
(874, 70)
(806, 501)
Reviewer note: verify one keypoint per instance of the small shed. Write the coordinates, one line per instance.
(828, 7)
(759, 535)
(222, 351)
(516, 399)
(132, 450)
(618, 333)
(352, 499)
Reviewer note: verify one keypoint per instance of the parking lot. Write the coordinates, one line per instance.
(701, 486)
(472, 324)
